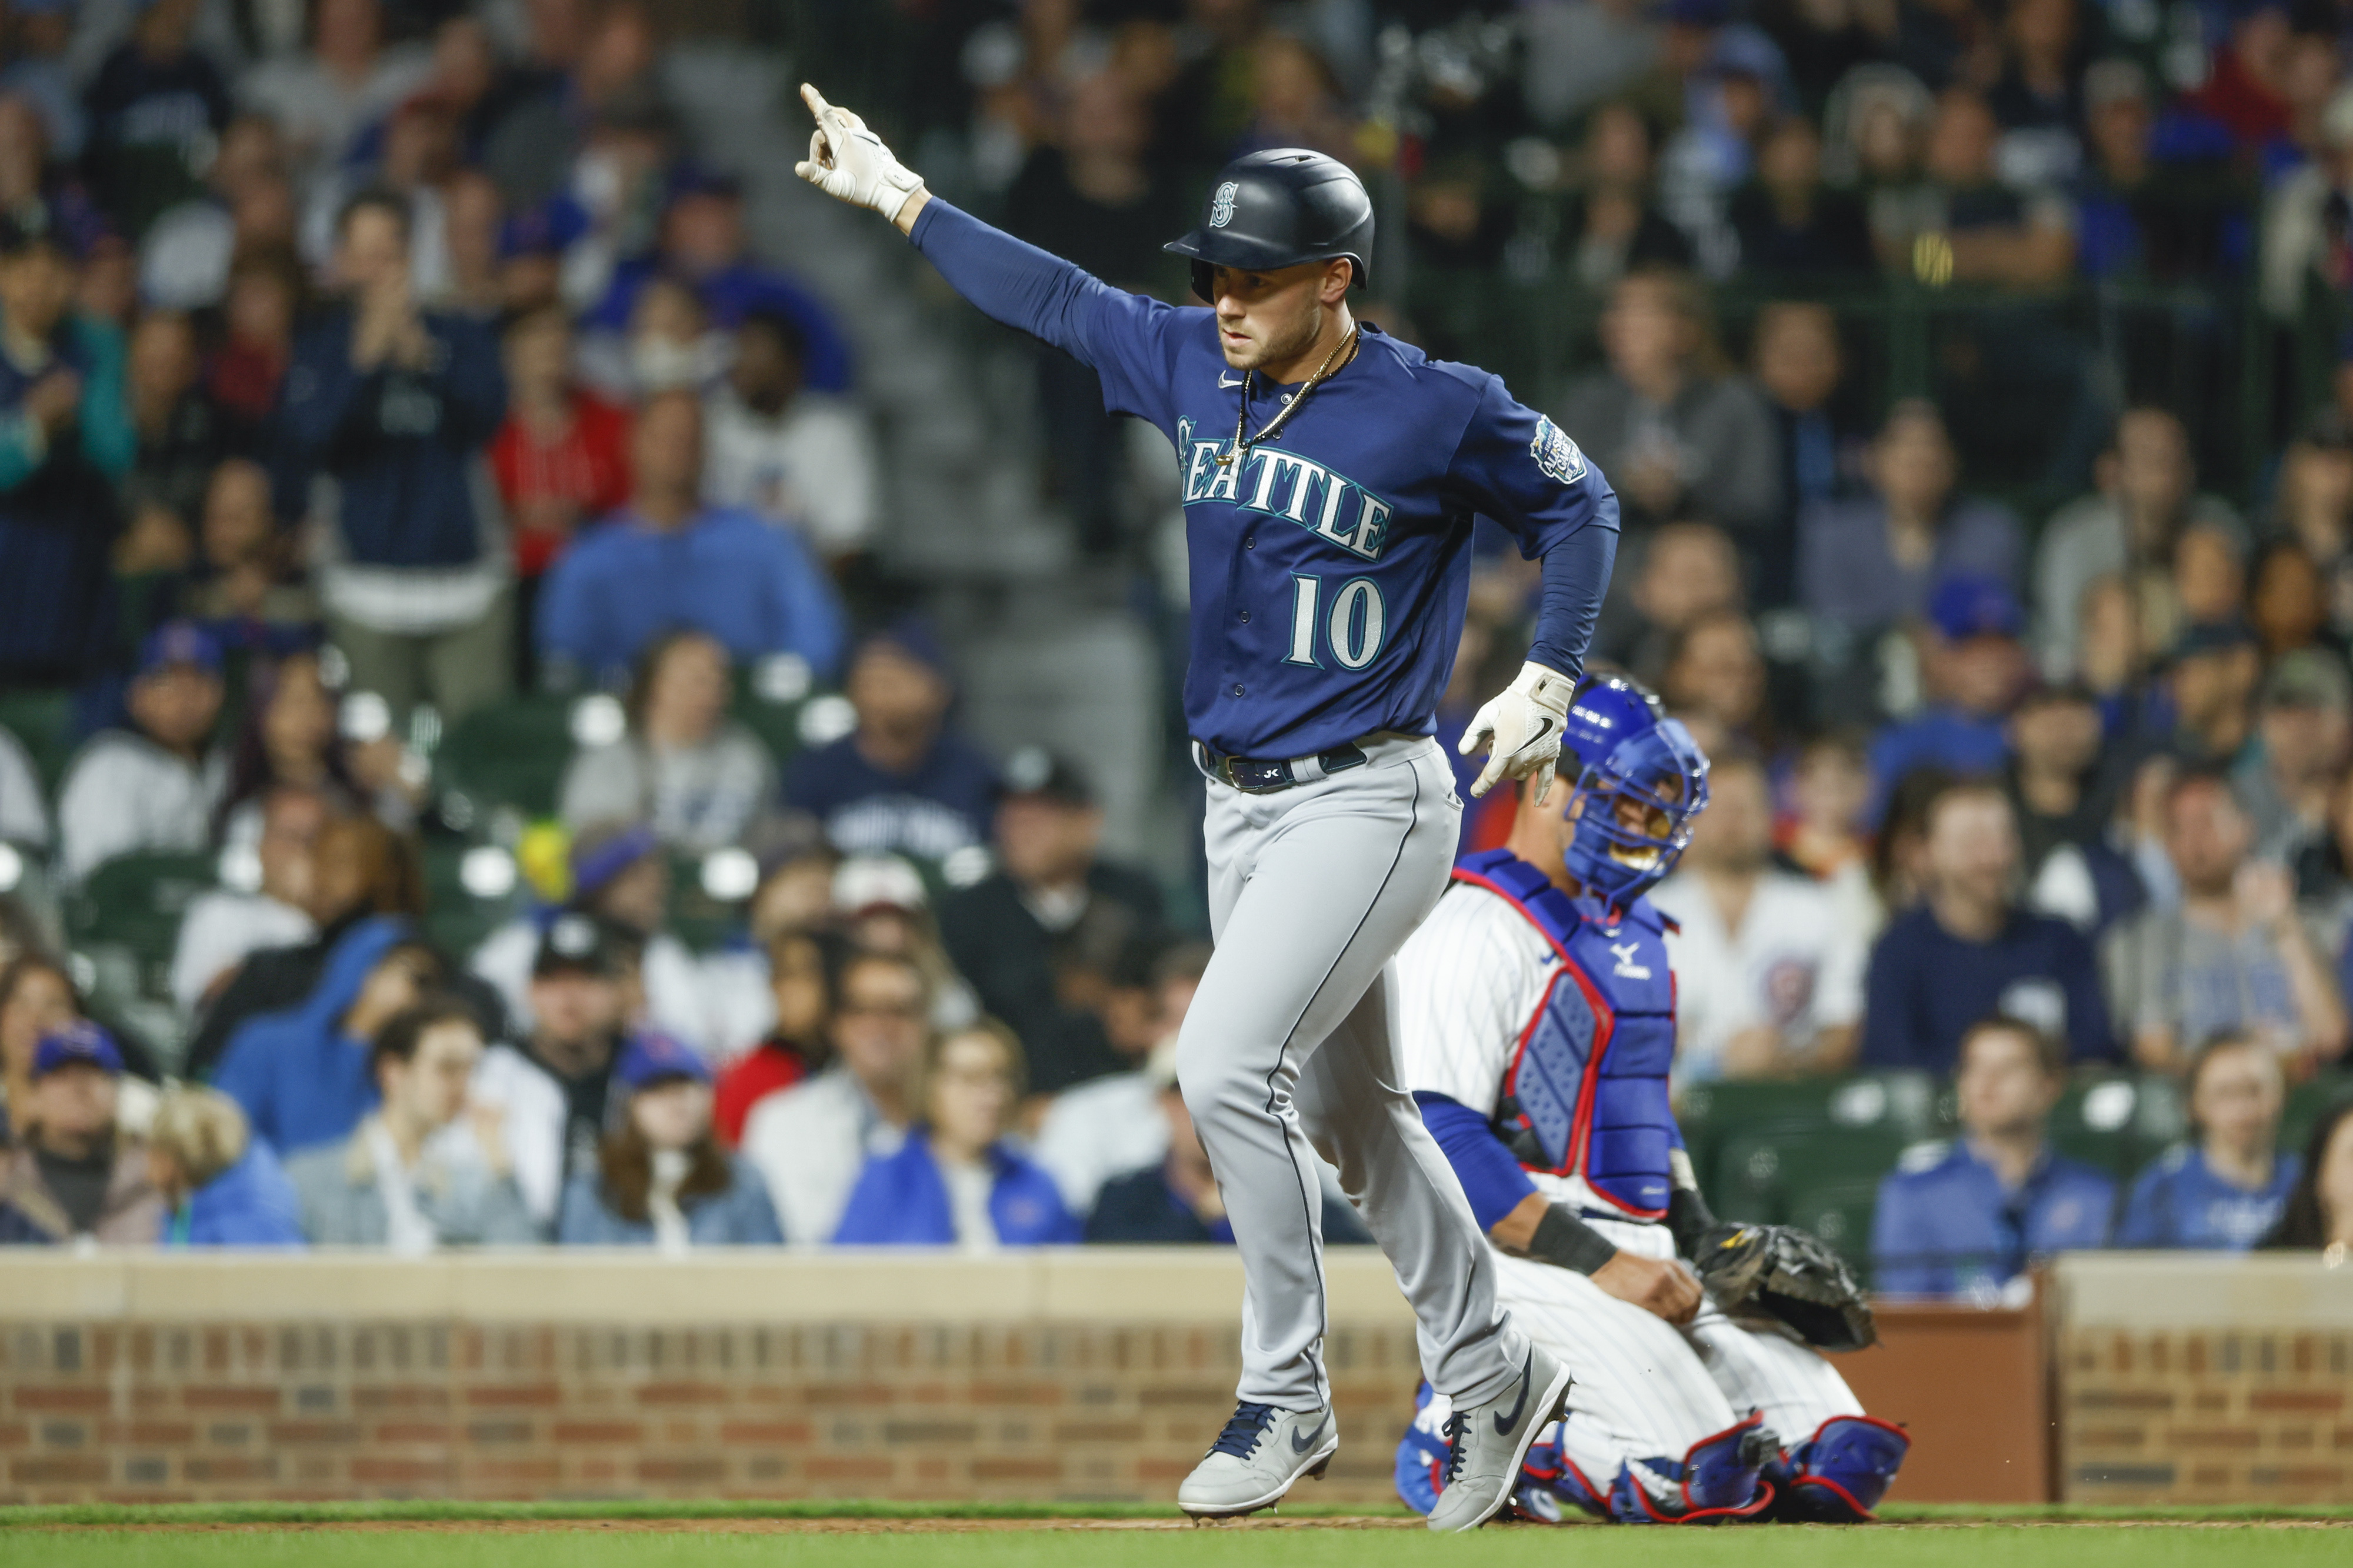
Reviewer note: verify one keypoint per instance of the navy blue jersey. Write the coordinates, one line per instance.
(1330, 566)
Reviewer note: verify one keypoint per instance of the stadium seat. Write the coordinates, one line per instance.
(509, 754)
(2306, 1103)
(1907, 1105)
(135, 903)
(2118, 1123)
(1759, 1170)
(470, 889)
(1840, 1213)
(43, 722)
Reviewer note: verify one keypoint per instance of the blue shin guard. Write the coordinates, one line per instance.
(1839, 1474)
(1722, 1477)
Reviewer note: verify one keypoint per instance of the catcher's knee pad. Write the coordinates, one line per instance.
(1722, 1478)
(1839, 1474)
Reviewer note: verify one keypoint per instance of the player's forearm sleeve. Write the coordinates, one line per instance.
(1490, 1178)
(1012, 282)
(1576, 575)
(1567, 1242)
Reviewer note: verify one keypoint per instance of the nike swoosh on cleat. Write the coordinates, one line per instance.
(1503, 1423)
(1300, 1440)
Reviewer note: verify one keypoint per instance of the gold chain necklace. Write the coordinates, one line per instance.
(1323, 372)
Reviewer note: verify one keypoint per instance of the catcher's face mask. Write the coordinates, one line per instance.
(1634, 811)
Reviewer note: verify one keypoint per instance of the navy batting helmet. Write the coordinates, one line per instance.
(1280, 208)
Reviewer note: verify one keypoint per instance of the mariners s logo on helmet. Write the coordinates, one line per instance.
(1222, 207)
(1556, 454)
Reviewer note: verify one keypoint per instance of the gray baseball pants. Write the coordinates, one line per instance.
(1286, 1048)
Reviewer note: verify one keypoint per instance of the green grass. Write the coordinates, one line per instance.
(2010, 1546)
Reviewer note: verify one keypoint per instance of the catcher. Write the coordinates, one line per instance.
(1536, 1025)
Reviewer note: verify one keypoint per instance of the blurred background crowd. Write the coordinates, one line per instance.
(556, 686)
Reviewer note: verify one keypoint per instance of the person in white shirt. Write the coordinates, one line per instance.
(428, 1168)
(794, 457)
(812, 1142)
(1107, 1126)
(222, 925)
(698, 778)
(154, 787)
(1769, 964)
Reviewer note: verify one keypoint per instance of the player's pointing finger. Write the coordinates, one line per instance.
(815, 99)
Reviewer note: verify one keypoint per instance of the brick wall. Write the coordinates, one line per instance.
(2212, 1382)
(377, 1410)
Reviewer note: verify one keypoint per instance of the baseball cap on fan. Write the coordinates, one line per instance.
(80, 1043)
(1971, 605)
(1034, 771)
(652, 1058)
(578, 944)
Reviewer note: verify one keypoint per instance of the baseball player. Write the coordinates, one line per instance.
(1330, 477)
(1535, 1020)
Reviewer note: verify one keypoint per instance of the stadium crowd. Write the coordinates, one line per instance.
(368, 365)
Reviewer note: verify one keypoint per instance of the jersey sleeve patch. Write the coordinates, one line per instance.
(1556, 454)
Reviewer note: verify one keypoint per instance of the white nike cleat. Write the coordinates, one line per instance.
(1489, 1442)
(1256, 1458)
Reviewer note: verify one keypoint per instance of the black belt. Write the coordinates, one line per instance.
(1265, 778)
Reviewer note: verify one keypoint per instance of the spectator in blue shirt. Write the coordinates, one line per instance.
(64, 438)
(956, 1182)
(2225, 1191)
(397, 405)
(1977, 668)
(1968, 950)
(667, 562)
(303, 1075)
(1967, 1218)
(661, 1179)
(903, 781)
(221, 1186)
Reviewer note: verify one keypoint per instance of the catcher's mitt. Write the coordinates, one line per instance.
(1779, 1272)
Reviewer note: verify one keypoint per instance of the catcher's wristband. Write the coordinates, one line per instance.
(1562, 1238)
(1688, 1219)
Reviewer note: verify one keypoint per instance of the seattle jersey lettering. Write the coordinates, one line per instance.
(1295, 488)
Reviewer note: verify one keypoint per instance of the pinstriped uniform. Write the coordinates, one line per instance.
(1469, 983)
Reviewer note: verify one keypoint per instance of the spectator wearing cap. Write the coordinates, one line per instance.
(669, 560)
(395, 406)
(2138, 220)
(2208, 687)
(800, 458)
(2146, 499)
(802, 966)
(156, 110)
(955, 1181)
(561, 455)
(683, 768)
(553, 1087)
(1678, 436)
(2063, 799)
(1967, 1218)
(2226, 1189)
(1968, 949)
(1871, 562)
(2303, 729)
(1057, 941)
(1174, 1199)
(703, 244)
(64, 438)
(303, 1075)
(812, 1142)
(2234, 956)
(220, 1185)
(1976, 668)
(360, 870)
(621, 876)
(153, 785)
(661, 1179)
(880, 905)
(1768, 961)
(904, 782)
(536, 245)
(71, 1174)
(428, 1168)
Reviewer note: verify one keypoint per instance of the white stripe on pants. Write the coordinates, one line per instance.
(1286, 1048)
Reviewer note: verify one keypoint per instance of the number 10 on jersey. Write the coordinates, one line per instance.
(1352, 632)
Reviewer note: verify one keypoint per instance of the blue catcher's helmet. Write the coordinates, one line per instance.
(1639, 765)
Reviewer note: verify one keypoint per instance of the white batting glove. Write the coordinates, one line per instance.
(1522, 723)
(850, 163)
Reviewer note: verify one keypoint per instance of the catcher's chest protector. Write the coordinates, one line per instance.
(1587, 1092)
